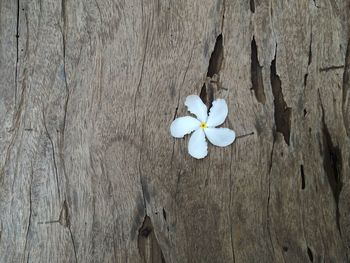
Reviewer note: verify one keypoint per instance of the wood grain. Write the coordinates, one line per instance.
(90, 173)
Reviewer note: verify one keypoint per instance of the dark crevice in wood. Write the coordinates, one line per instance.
(302, 177)
(346, 88)
(310, 254)
(214, 67)
(175, 113)
(310, 51)
(165, 218)
(216, 58)
(17, 47)
(164, 214)
(207, 95)
(63, 32)
(305, 112)
(256, 74)
(64, 215)
(331, 68)
(332, 164)
(315, 4)
(252, 6)
(282, 111)
(305, 79)
(309, 60)
(147, 243)
(63, 11)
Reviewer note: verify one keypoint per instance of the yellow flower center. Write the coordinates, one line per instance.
(203, 125)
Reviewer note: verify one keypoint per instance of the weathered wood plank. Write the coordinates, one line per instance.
(90, 173)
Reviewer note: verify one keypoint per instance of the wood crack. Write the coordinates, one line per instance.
(332, 164)
(143, 184)
(345, 90)
(256, 74)
(315, 4)
(282, 112)
(141, 75)
(244, 135)
(252, 6)
(64, 20)
(53, 155)
(223, 15)
(17, 50)
(334, 67)
(268, 199)
(73, 244)
(30, 213)
(207, 94)
(147, 243)
(213, 73)
(64, 215)
(216, 58)
(64, 50)
(309, 59)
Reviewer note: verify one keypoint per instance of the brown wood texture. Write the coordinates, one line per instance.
(90, 173)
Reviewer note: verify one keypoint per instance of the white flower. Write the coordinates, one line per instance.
(203, 126)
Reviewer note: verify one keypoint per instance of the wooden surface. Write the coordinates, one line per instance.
(90, 173)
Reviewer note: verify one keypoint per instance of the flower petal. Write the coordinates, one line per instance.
(197, 146)
(218, 113)
(196, 106)
(220, 136)
(183, 125)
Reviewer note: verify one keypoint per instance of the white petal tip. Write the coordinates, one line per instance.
(183, 125)
(174, 133)
(197, 145)
(198, 157)
(218, 113)
(220, 137)
(196, 106)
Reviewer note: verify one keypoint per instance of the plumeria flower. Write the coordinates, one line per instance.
(203, 126)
